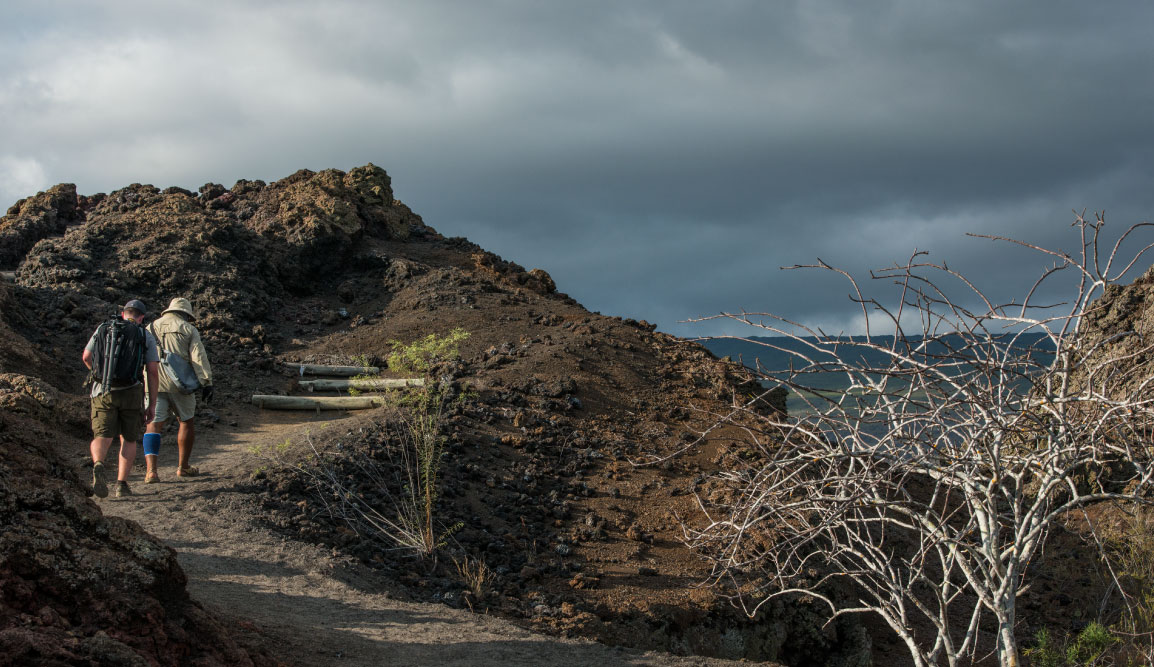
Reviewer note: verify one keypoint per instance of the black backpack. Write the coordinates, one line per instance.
(119, 355)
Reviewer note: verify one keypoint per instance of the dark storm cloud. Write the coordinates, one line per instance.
(660, 159)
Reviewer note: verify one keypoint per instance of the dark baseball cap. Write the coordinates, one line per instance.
(135, 304)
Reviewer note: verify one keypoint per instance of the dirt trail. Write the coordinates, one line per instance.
(314, 608)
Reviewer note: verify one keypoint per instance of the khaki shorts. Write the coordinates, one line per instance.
(119, 413)
(182, 405)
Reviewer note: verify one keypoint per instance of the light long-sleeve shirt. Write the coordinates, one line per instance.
(175, 334)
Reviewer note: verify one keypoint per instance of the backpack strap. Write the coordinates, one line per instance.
(159, 344)
(142, 350)
(107, 355)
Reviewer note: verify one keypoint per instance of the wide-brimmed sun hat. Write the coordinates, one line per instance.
(180, 305)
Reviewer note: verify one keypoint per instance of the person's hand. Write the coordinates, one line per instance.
(149, 413)
(206, 394)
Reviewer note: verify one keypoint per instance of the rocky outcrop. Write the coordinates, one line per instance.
(30, 220)
(17, 353)
(77, 587)
(238, 251)
(572, 454)
(317, 219)
(511, 273)
(1121, 324)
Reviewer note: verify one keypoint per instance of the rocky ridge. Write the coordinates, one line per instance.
(569, 466)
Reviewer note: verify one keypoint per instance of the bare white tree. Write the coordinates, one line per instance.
(930, 484)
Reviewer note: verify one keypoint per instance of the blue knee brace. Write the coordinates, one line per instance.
(151, 444)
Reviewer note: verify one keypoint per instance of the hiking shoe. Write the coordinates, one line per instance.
(187, 471)
(99, 485)
(122, 490)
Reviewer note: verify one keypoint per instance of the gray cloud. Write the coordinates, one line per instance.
(660, 159)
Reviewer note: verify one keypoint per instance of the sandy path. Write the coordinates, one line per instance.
(318, 610)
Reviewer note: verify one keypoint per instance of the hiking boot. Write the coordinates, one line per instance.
(99, 485)
(122, 490)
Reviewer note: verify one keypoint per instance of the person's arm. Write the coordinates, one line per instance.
(89, 356)
(153, 371)
(198, 356)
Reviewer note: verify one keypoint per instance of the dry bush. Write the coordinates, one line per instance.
(929, 485)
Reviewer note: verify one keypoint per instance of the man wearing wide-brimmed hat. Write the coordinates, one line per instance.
(175, 334)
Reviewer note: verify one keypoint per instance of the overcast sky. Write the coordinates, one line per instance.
(660, 159)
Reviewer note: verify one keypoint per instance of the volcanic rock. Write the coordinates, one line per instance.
(555, 414)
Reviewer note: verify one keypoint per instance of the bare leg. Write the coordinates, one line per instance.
(99, 448)
(185, 438)
(127, 458)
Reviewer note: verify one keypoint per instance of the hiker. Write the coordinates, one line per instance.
(117, 353)
(177, 335)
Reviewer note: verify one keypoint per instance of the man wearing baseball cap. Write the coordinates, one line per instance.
(118, 394)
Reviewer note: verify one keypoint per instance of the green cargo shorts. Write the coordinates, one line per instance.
(119, 412)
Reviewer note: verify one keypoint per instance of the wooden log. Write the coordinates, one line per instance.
(316, 402)
(317, 369)
(369, 384)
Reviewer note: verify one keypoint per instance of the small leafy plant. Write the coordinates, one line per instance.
(1087, 648)
(421, 410)
(422, 355)
(401, 508)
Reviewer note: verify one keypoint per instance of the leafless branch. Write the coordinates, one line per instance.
(923, 491)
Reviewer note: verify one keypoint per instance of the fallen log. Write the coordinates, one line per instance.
(316, 402)
(318, 369)
(361, 383)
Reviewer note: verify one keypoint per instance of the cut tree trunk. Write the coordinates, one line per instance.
(316, 369)
(316, 402)
(362, 383)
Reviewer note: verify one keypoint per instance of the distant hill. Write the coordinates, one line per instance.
(775, 355)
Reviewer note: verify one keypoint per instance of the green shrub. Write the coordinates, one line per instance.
(422, 355)
(421, 410)
(1087, 648)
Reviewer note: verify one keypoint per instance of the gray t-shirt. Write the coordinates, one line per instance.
(151, 353)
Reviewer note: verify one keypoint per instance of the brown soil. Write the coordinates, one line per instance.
(539, 470)
(315, 605)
